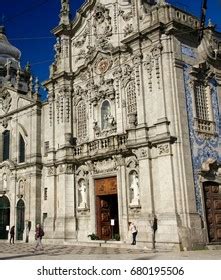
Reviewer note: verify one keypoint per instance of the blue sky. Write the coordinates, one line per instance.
(29, 23)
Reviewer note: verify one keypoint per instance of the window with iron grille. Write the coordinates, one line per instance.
(201, 101)
(6, 144)
(81, 120)
(131, 98)
(204, 121)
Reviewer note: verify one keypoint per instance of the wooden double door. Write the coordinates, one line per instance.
(107, 208)
(212, 194)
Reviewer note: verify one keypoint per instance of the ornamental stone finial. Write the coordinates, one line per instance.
(65, 12)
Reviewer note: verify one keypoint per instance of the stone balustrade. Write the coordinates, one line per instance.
(101, 146)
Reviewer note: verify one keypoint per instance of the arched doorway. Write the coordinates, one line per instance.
(4, 216)
(20, 219)
(212, 195)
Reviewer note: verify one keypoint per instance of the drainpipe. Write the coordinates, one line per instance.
(153, 224)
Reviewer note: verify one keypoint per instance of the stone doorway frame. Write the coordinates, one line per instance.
(106, 188)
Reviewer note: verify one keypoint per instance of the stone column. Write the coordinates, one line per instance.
(165, 202)
(147, 211)
(122, 197)
(51, 185)
(65, 223)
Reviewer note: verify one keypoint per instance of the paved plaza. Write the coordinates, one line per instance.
(25, 251)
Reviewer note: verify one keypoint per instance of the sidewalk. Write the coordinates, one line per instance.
(25, 251)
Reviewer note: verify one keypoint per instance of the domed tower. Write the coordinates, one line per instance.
(11, 73)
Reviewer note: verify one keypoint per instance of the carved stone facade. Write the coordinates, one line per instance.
(130, 131)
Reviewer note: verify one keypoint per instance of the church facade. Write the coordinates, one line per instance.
(130, 130)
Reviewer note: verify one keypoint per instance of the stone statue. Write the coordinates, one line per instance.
(135, 189)
(4, 178)
(21, 188)
(65, 5)
(83, 194)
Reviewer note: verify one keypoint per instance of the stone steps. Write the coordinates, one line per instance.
(214, 246)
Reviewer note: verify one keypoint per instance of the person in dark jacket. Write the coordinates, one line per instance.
(12, 235)
(39, 233)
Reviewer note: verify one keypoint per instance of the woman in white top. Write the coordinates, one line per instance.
(133, 230)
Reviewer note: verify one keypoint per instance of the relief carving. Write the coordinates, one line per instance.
(128, 29)
(148, 64)
(127, 16)
(163, 149)
(102, 65)
(102, 22)
(5, 100)
(108, 165)
(102, 27)
(141, 153)
(51, 170)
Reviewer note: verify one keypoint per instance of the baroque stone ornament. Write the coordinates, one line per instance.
(163, 149)
(148, 64)
(102, 65)
(51, 170)
(141, 153)
(5, 100)
(102, 22)
(103, 166)
(4, 122)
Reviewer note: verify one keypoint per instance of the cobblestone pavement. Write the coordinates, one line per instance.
(22, 251)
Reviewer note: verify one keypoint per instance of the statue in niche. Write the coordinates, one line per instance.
(21, 189)
(134, 187)
(106, 117)
(82, 194)
(4, 178)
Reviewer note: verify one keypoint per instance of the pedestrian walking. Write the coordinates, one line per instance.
(39, 233)
(134, 232)
(12, 235)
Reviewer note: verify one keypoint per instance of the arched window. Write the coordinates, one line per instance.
(131, 98)
(6, 144)
(105, 114)
(21, 149)
(81, 120)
